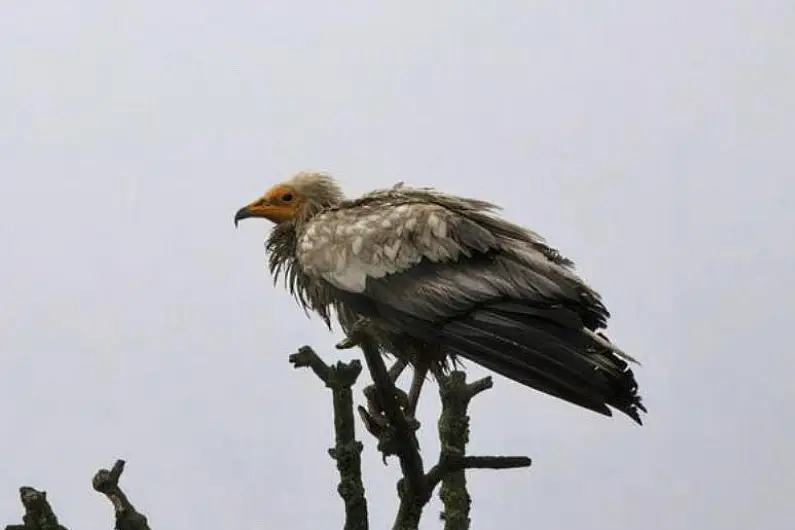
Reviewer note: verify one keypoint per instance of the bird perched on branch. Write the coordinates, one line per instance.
(431, 277)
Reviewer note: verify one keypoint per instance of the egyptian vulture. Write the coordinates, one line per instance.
(434, 277)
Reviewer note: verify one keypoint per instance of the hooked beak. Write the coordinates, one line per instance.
(244, 213)
(276, 213)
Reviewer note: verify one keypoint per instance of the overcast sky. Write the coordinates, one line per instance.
(650, 142)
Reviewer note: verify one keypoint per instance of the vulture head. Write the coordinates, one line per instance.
(296, 199)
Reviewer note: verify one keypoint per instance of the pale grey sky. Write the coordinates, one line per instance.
(650, 142)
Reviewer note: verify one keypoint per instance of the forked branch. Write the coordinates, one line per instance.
(386, 419)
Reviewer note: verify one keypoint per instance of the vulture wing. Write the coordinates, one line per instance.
(443, 269)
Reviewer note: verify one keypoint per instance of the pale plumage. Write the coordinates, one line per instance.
(439, 275)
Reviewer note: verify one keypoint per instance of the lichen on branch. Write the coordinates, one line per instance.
(347, 450)
(387, 420)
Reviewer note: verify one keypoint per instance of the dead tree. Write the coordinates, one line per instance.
(384, 418)
(40, 516)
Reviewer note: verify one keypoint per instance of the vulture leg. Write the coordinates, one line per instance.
(420, 372)
(396, 369)
(352, 337)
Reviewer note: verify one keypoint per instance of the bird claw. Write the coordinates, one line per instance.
(374, 406)
(379, 427)
(377, 424)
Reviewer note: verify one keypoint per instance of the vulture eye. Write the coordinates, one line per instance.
(287, 197)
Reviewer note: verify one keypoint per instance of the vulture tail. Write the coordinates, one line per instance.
(546, 348)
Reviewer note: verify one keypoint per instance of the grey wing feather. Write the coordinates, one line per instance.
(445, 270)
(388, 232)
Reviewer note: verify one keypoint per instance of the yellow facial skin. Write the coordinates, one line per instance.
(279, 204)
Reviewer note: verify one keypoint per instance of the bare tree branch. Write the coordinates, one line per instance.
(340, 378)
(407, 447)
(374, 417)
(453, 438)
(38, 512)
(456, 395)
(385, 418)
(107, 483)
(453, 462)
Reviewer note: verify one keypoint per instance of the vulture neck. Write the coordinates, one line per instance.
(311, 208)
(280, 247)
(282, 240)
(282, 263)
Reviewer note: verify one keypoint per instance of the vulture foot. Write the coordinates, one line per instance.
(371, 394)
(374, 416)
(379, 426)
(374, 407)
